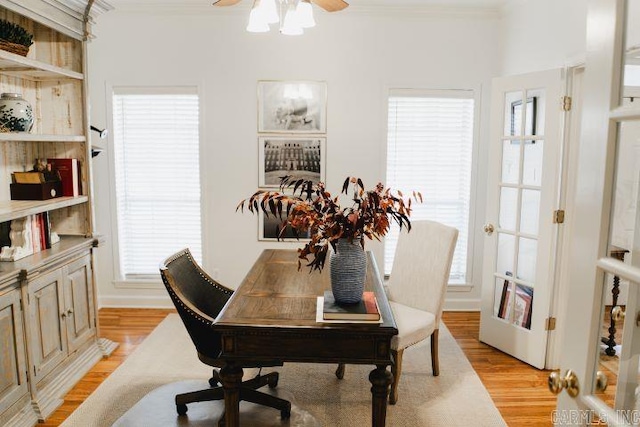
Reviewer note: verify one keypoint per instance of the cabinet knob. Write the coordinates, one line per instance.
(63, 315)
(70, 311)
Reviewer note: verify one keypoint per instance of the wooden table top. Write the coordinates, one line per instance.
(275, 294)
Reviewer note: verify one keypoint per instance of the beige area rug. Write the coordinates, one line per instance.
(455, 398)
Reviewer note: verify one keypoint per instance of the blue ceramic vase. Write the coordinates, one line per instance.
(348, 264)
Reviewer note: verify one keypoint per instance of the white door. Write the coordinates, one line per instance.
(606, 214)
(522, 196)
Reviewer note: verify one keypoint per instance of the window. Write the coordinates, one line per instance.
(429, 149)
(157, 175)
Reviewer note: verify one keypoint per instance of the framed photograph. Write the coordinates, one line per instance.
(302, 157)
(523, 306)
(516, 116)
(292, 107)
(269, 229)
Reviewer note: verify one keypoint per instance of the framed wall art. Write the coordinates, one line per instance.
(302, 157)
(269, 228)
(292, 107)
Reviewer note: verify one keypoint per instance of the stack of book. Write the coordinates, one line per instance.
(365, 311)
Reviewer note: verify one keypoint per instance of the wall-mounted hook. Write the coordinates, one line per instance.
(102, 133)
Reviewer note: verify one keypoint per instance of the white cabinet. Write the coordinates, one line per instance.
(61, 314)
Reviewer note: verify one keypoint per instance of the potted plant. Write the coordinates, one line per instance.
(311, 210)
(14, 38)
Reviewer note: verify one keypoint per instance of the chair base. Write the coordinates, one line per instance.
(248, 392)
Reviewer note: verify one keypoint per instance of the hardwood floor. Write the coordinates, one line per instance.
(518, 390)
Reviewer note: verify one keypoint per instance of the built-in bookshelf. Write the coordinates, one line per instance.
(49, 292)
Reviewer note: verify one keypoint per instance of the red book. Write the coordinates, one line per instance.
(366, 309)
(69, 174)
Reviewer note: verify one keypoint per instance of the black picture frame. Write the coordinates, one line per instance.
(516, 116)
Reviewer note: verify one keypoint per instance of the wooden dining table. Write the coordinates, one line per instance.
(272, 316)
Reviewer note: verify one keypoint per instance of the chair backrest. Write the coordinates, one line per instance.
(421, 266)
(198, 299)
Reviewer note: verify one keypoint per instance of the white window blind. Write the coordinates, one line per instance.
(429, 149)
(157, 176)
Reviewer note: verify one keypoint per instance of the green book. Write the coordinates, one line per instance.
(366, 309)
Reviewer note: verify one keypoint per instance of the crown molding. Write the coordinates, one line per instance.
(191, 7)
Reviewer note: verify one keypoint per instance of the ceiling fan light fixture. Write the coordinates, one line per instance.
(257, 22)
(304, 10)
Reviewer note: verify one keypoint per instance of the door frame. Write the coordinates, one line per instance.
(592, 201)
(569, 163)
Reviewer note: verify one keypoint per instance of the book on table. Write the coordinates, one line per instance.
(366, 309)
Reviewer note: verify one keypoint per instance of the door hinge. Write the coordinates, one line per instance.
(566, 103)
(558, 216)
(550, 324)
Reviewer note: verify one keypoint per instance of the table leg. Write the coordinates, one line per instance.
(381, 380)
(231, 378)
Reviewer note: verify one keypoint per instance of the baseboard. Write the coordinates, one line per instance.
(462, 305)
(135, 301)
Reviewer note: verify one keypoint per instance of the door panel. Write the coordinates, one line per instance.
(522, 195)
(13, 381)
(79, 302)
(45, 309)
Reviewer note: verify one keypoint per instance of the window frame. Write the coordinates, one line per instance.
(476, 95)
(151, 281)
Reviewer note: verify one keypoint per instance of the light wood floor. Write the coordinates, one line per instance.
(518, 390)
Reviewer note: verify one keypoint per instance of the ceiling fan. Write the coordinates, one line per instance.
(328, 5)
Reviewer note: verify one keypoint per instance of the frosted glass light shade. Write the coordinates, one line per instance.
(304, 10)
(257, 23)
(270, 11)
(291, 25)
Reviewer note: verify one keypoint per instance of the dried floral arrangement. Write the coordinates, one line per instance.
(309, 208)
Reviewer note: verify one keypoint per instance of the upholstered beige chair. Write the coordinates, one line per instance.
(416, 290)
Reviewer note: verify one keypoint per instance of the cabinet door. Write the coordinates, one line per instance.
(46, 309)
(13, 368)
(78, 295)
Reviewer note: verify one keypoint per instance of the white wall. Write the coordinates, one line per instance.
(360, 55)
(542, 34)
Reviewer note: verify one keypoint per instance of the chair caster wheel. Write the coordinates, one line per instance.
(340, 371)
(181, 408)
(285, 414)
(273, 380)
(213, 382)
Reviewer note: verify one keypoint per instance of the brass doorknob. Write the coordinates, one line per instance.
(569, 382)
(617, 313)
(489, 229)
(601, 381)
